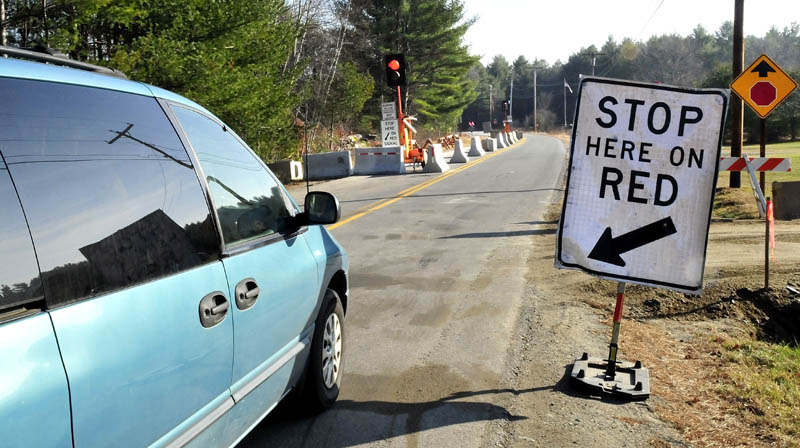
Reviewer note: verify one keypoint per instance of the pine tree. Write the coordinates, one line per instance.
(430, 33)
(228, 56)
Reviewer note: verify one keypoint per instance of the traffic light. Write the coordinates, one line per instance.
(395, 66)
(505, 107)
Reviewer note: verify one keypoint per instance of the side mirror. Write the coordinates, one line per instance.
(322, 208)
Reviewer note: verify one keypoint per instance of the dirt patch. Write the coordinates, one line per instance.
(770, 316)
(563, 136)
(685, 340)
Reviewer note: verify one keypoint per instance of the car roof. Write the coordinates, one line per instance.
(37, 71)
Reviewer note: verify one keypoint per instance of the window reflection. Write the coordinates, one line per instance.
(19, 274)
(108, 189)
(248, 200)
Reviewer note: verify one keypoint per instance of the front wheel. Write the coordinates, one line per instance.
(324, 369)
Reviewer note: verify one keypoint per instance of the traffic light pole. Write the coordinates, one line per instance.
(400, 117)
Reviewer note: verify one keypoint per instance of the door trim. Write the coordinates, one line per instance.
(270, 370)
(201, 425)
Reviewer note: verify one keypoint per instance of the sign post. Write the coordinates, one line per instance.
(763, 86)
(637, 207)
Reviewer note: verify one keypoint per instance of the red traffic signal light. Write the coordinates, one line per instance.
(395, 65)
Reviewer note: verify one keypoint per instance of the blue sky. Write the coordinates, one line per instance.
(553, 30)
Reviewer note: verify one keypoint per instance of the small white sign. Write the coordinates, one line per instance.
(389, 133)
(388, 111)
(643, 166)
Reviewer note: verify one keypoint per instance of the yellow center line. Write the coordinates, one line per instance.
(409, 191)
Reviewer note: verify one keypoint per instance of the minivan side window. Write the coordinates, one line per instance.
(19, 273)
(110, 194)
(248, 199)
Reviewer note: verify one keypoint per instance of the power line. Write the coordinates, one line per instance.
(650, 19)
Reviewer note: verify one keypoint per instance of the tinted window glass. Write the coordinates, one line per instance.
(248, 199)
(110, 194)
(19, 274)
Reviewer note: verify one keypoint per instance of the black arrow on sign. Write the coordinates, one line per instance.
(762, 69)
(608, 249)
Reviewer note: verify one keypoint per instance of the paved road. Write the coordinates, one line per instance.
(437, 278)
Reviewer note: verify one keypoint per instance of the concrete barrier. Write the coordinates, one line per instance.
(287, 170)
(519, 135)
(436, 163)
(475, 148)
(459, 155)
(786, 200)
(329, 165)
(511, 138)
(501, 142)
(506, 139)
(489, 144)
(383, 160)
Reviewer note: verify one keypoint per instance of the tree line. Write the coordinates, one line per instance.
(296, 75)
(701, 59)
(286, 74)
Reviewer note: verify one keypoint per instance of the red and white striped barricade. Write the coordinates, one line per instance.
(758, 164)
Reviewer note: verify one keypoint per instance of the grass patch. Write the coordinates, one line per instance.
(735, 203)
(765, 379)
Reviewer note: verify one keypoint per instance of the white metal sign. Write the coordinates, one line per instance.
(643, 166)
(388, 111)
(389, 133)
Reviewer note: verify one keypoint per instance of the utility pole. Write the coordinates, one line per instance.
(535, 123)
(511, 100)
(491, 107)
(535, 117)
(737, 109)
(594, 56)
(565, 103)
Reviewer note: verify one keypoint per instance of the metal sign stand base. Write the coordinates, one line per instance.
(623, 380)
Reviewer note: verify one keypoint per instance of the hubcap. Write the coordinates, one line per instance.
(331, 350)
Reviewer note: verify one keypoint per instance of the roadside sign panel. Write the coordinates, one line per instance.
(388, 111)
(389, 133)
(643, 166)
(763, 86)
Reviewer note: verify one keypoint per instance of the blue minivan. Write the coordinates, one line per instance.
(158, 285)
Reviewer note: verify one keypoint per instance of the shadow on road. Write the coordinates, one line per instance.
(352, 422)
(501, 234)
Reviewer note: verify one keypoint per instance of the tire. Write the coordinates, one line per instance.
(323, 376)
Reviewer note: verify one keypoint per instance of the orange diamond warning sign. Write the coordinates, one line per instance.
(763, 85)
